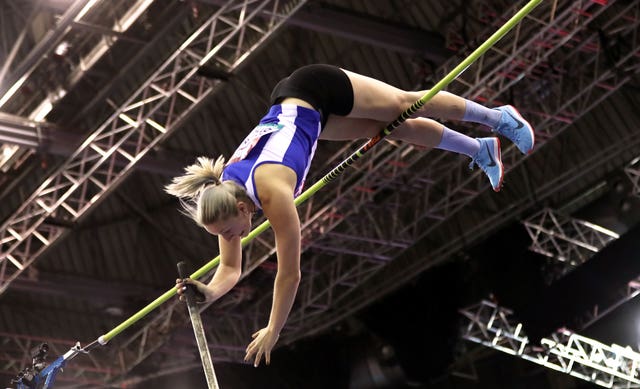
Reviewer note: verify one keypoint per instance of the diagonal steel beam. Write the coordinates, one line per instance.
(24, 69)
(609, 366)
(47, 138)
(573, 241)
(564, 238)
(8, 60)
(633, 172)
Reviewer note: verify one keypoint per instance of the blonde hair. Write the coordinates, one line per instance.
(203, 197)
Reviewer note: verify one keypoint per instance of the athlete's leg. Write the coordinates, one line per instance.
(374, 99)
(419, 131)
(422, 132)
(427, 133)
(377, 100)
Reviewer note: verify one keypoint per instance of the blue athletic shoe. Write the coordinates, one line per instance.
(489, 160)
(513, 126)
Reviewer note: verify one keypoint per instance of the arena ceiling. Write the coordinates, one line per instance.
(102, 102)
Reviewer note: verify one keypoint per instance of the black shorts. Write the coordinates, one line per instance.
(327, 88)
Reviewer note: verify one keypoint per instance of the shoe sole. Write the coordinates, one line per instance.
(529, 127)
(498, 152)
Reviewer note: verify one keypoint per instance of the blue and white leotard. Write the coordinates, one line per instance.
(287, 135)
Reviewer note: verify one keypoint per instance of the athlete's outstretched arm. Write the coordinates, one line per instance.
(275, 184)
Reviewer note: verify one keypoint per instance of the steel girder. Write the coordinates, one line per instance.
(81, 51)
(77, 53)
(18, 75)
(564, 238)
(77, 61)
(610, 366)
(13, 76)
(46, 138)
(20, 131)
(573, 241)
(633, 172)
(629, 143)
(12, 16)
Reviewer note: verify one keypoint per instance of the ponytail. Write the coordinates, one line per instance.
(202, 173)
(203, 197)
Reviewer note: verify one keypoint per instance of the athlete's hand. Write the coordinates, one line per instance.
(202, 295)
(263, 342)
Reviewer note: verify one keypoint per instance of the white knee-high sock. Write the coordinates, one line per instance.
(476, 113)
(458, 143)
